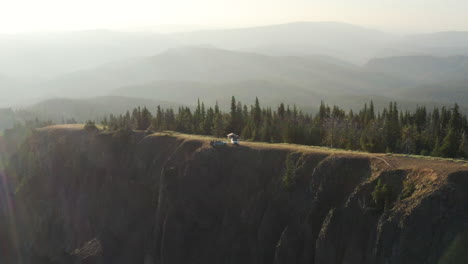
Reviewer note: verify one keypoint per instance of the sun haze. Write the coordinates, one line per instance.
(59, 15)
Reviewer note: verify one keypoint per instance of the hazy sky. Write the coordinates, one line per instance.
(405, 15)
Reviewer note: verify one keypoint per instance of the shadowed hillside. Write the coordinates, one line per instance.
(99, 197)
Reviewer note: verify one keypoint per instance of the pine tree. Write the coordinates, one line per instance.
(257, 114)
(135, 118)
(265, 131)
(371, 115)
(145, 119)
(281, 111)
(218, 126)
(248, 131)
(209, 121)
(451, 143)
(170, 120)
(462, 149)
(392, 128)
(158, 121)
(233, 124)
(441, 132)
(216, 110)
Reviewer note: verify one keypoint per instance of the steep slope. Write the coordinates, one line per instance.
(90, 197)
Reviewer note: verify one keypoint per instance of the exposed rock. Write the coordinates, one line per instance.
(90, 253)
(161, 199)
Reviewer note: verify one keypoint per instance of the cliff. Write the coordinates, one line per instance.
(98, 197)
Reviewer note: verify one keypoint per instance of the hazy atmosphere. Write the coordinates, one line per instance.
(300, 53)
(395, 15)
(233, 132)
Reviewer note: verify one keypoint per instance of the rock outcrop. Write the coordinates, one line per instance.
(95, 197)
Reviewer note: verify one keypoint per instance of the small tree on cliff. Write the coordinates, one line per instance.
(90, 126)
(382, 195)
(289, 173)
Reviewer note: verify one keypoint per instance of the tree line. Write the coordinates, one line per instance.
(440, 132)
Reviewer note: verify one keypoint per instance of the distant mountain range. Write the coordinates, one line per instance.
(297, 63)
(421, 69)
(184, 74)
(436, 44)
(218, 67)
(64, 109)
(45, 55)
(436, 79)
(444, 92)
(59, 109)
(8, 88)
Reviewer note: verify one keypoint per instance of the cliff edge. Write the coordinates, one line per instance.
(132, 197)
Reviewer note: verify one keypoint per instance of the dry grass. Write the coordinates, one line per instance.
(281, 146)
(285, 146)
(384, 160)
(62, 127)
(427, 158)
(392, 160)
(67, 127)
(305, 148)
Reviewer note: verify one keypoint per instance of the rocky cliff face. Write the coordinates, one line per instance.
(90, 197)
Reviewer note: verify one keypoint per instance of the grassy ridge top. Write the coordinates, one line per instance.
(391, 161)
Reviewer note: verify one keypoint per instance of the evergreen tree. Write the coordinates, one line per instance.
(463, 148)
(440, 132)
(451, 143)
(234, 121)
(218, 125)
(248, 131)
(158, 121)
(145, 119)
(257, 114)
(209, 121)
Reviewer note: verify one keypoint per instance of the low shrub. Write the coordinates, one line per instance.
(382, 195)
(90, 126)
(408, 189)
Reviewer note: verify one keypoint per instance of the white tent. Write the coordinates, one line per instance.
(233, 136)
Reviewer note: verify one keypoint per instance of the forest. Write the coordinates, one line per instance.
(439, 132)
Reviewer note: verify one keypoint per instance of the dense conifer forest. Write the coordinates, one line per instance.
(437, 132)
